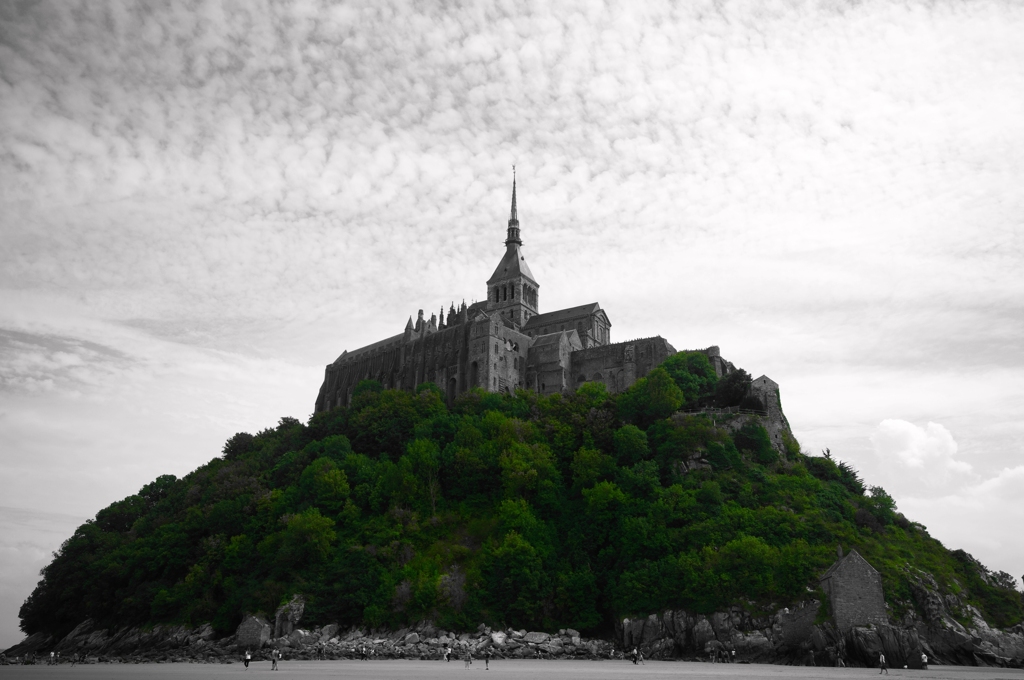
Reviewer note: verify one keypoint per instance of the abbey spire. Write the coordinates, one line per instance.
(513, 219)
(512, 290)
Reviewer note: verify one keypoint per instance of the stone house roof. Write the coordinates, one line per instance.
(852, 555)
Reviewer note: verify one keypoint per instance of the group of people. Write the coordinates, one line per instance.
(52, 660)
(275, 656)
(882, 666)
(467, 657)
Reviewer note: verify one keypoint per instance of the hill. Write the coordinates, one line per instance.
(564, 512)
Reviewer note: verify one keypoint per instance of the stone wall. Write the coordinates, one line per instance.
(854, 589)
(620, 365)
(549, 364)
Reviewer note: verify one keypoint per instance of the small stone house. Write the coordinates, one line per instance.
(854, 590)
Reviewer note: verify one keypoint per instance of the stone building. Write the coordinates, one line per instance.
(501, 344)
(854, 590)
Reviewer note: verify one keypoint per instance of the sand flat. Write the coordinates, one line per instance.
(500, 670)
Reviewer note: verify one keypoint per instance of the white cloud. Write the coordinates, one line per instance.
(919, 456)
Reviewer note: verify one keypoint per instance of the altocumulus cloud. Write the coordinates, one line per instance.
(919, 459)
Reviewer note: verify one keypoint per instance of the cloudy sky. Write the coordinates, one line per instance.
(202, 204)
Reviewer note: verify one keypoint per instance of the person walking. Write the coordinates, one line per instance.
(633, 655)
(487, 660)
(924, 661)
(881, 664)
(248, 657)
(274, 653)
(469, 658)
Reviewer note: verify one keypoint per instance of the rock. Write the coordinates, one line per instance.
(33, 644)
(328, 632)
(902, 646)
(288, 615)
(253, 632)
(536, 638)
(572, 633)
(498, 638)
(411, 639)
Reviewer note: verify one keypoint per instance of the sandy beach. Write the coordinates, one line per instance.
(505, 670)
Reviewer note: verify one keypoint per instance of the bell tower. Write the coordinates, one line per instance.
(512, 289)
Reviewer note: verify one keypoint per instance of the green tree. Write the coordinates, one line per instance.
(426, 463)
(651, 398)
(513, 576)
(694, 375)
(731, 388)
(631, 445)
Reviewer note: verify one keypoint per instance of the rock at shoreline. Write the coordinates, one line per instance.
(288, 616)
(253, 632)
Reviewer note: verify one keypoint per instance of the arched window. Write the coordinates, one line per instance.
(515, 362)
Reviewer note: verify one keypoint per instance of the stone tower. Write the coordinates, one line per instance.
(512, 291)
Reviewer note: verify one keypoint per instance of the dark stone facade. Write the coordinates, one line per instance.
(501, 344)
(854, 590)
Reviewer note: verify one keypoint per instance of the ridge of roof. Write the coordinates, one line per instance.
(559, 314)
(512, 264)
(844, 558)
(366, 349)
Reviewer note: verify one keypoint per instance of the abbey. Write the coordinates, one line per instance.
(501, 344)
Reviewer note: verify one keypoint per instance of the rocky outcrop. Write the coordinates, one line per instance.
(953, 632)
(423, 641)
(253, 632)
(288, 616)
(33, 645)
(789, 636)
(792, 636)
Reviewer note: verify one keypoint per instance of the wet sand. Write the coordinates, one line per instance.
(500, 670)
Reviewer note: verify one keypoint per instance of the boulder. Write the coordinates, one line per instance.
(288, 616)
(411, 639)
(498, 638)
(328, 631)
(536, 638)
(253, 632)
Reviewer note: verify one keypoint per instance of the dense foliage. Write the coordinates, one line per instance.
(542, 512)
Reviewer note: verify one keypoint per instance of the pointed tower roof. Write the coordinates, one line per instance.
(512, 263)
(513, 218)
